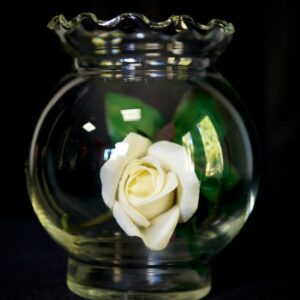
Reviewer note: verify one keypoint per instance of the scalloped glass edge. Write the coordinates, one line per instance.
(179, 22)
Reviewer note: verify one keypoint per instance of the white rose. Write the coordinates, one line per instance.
(150, 188)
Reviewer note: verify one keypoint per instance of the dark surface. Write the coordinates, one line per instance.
(263, 261)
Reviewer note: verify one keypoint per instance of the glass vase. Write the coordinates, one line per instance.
(143, 164)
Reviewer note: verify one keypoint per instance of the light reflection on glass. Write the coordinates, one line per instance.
(131, 115)
(152, 46)
(154, 75)
(233, 225)
(89, 127)
(117, 274)
(101, 51)
(140, 35)
(132, 66)
(153, 277)
(98, 41)
(116, 41)
(106, 75)
(251, 202)
(171, 60)
(187, 142)
(183, 25)
(184, 61)
(128, 60)
(177, 47)
(107, 154)
(152, 54)
(212, 147)
(129, 46)
(154, 63)
(120, 149)
(115, 50)
(106, 63)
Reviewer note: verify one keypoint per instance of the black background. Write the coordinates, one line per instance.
(263, 261)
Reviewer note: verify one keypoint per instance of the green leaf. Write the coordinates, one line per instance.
(199, 153)
(211, 188)
(201, 129)
(230, 177)
(127, 114)
(192, 110)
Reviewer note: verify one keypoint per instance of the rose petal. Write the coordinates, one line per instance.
(124, 221)
(161, 173)
(155, 237)
(158, 235)
(158, 207)
(136, 187)
(170, 185)
(175, 158)
(150, 164)
(111, 170)
(134, 214)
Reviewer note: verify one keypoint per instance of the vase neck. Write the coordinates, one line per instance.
(131, 43)
(144, 66)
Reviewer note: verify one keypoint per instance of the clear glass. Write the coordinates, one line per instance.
(157, 80)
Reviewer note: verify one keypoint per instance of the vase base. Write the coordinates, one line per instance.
(97, 293)
(151, 283)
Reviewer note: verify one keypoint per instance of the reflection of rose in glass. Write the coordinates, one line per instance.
(150, 188)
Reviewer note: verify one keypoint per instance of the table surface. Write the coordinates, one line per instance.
(34, 267)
